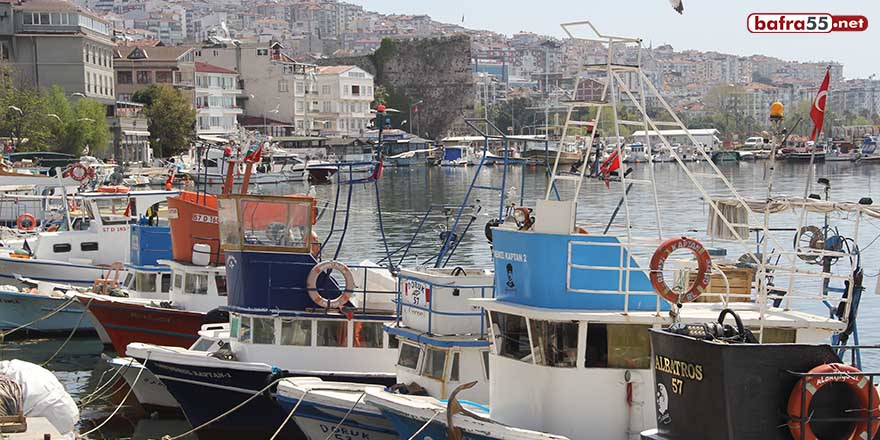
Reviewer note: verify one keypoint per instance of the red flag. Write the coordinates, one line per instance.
(612, 163)
(254, 155)
(817, 112)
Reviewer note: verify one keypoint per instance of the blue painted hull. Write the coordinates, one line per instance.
(206, 392)
(20, 308)
(317, 420)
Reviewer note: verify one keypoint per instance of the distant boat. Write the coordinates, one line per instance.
(725, 156)
(456, 155)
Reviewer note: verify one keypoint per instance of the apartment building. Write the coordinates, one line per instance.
(216, 93)
(342, 104)
(140, 67)
(54, 42)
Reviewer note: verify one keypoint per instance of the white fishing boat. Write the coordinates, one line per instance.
(82, 249)
(456, 155)
(635, 153)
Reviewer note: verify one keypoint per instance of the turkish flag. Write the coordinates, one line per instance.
(817, 112)
(254, 154)
(612, 163)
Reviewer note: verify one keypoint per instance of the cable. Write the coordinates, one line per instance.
(72, 331)
(3, 335)
(416, 434)
(287, 419)
(342, 420)
(130, 390)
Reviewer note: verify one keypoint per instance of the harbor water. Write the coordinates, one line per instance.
(407, 193)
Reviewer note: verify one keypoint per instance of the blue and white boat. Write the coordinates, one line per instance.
(456, 155)
(442, 345)
(288, 317)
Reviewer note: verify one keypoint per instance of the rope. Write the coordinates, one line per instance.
(230, 411)
(67, 304)
(295, 407)
(341, 421)
(89, 398)
(11, 398)
(130, 390)
(416, 434)
(70, 336)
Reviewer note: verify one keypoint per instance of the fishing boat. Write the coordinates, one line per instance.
(868, 150)
(83, 248)
(843, 152)
(456, 155)
(212, 169)
(442, 344)
(635, 153)
(725, 156)
(808, 152)
(573, 310)
(537, 154)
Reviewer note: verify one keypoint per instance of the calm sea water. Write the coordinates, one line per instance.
(407, 193)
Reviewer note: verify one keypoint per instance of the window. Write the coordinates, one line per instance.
(393, 342)
(486, 364)
(196, 283)
(220, 282)
(144, 77)
(56, 18)
(202, 345)
(300, 87)
(618, 346)
(44, 18)
(282, 85)
(234, 324)
(355, 90)
(123, 77)
(326, 106)
(244, 332)
(264, 330)
(435, 362)
(262, 52)
(129, 281)
(368, 334)
(773, 335)
(511, 336)
(178, 281)
(61, 248)
(409, 356)
(325, 90)
(453, 371)
(65, 19)
(88, 246)
(28, 18)
(145, 282)
(164, 76)
(554, 343)
(166, 282)
(296, 332)
(332, 333)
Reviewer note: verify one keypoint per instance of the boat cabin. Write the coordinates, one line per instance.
(195, 287)
(456, 155)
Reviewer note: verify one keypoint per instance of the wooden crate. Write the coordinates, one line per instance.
(13, 424)
(739, 278)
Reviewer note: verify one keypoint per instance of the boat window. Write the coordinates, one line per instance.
(554, 343)
(234, 323)
(435, 362)
(145, 282)
(393, 342)
(453, 371)
(166, 282)
(264, 330)
(511, 336)
(220, 282)
(486, 364)
(368, 334)
(202, 345)
(409, 356)
(244, 332)
(113, 211)
(129, 281)
(618, 346)
(89, 246)
(61, 248)
(277, 224)
(178, 280)
(296, 332)
(196, 283)
(332, 333)
(230, 234)
(779, 335)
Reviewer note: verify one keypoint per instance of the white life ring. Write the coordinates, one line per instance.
(312, 284)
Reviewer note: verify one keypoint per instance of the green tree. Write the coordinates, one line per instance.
(23, 118)
(171, 119)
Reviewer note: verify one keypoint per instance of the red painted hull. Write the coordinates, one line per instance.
(126, 323)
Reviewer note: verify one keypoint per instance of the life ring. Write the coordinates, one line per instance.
(19, 222)
(80, 172)
(847, 374)
(704, 262)
(312, 284)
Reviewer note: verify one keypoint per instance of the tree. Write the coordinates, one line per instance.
(171, 119)
(73, 127)
(24, 118)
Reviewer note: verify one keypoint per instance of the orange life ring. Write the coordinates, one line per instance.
(847, 374)
(312, 284)
(26, 216)
(704, 262)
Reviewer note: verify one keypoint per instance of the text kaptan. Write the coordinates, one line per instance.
(679, 368)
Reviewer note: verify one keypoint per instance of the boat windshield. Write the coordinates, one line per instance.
(267, 223)
(112, 211)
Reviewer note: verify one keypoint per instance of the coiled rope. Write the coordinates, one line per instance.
(11, 397)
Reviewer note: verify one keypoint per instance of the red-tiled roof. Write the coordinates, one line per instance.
(210, 68)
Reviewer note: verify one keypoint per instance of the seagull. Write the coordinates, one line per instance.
(677, 5)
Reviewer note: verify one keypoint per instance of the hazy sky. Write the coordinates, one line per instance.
(718, 25)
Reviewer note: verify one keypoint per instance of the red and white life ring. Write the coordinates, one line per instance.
(704, 262)
(312, 284)
(847, 374)
(20, 222)
(80, 172)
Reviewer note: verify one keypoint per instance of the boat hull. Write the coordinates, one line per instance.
(53, 271)
(125, 323)
(148, 389)
(316, 421)
(21, 308)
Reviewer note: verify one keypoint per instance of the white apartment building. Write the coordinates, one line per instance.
(216, 92)
(342, 105)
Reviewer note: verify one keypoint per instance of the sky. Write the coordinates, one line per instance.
(708, 25)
